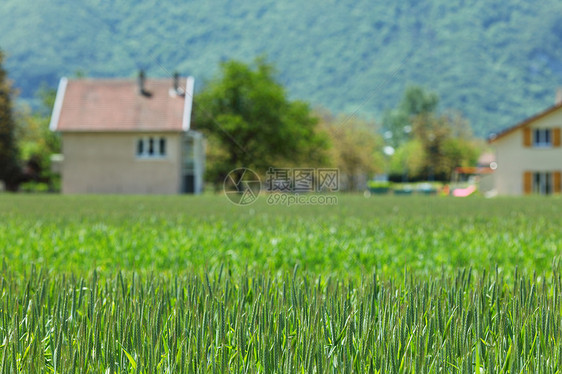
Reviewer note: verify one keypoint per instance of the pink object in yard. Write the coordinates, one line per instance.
(464, 192)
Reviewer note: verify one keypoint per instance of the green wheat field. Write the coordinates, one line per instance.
(416, 284)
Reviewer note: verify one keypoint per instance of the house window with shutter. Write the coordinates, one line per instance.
(542, 183)
(542, 138)
(151, 147)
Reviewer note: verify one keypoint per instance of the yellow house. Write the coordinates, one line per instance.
(125, 137)
(529, 155)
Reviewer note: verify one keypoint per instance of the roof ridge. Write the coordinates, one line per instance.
(494, 137)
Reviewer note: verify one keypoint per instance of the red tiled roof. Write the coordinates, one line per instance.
(526, 122)
(117, 105)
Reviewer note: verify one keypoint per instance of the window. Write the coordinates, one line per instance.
(542, 138)
(151, 147)
(163, 146)
(542, 183)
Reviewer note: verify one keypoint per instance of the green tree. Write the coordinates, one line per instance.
(398, 122)
(246, 113)
(34, 135)
(447, 142)
(9, 169)
(409, 160)
(356, 149)
(35, 141)
(433, 144)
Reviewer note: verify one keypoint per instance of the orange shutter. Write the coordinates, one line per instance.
(527, 137)
(527, 182)
(556, 137)
(557, 186)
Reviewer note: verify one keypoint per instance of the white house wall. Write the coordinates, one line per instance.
(107, 163)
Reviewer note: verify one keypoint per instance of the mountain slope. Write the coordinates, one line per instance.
(494, 61)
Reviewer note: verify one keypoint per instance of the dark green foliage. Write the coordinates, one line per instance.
(37, 142)
(247, 112)
(497, 62)
(9, 169)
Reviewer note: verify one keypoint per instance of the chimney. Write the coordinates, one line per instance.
(141, 82)
(558, 99)
(176, 81)
(142, 89)
(176, 90)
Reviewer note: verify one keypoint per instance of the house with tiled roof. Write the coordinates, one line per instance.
(127, 136)
(528, 155)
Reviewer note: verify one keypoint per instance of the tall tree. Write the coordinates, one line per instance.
(447, 143)
(9, 169)
(356, 149)
(247, 114)
(34, 137)
(433, 144)
(398, 123)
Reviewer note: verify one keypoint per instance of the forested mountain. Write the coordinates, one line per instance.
(495, 61)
